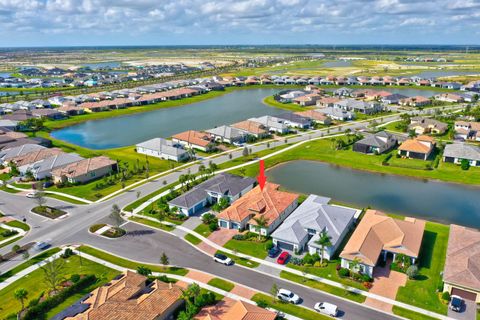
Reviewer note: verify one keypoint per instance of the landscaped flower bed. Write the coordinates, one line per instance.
(114, 232)
(49, 212)
(94, 228)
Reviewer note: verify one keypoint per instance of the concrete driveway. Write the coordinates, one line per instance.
(468, 313)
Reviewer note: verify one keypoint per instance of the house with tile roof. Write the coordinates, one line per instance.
(130, 297)
(238, 310)
(456, 152)
(270, 203)
(84, 170)
(272, 124)
(195, 140)
(253, 128)
(223, 185)
(379, 236)
(461, 275)
(316, 116)
(228, 134)
(304, 226)
(8, 154)
(417, 101)
(163, 149)
(377, 143)
(423, 125)
(43, 168)
(467, 130)
(420, 147)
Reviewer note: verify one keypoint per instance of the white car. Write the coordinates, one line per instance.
(31, 195)
(326, 308)
(288, 296)
(223, 259)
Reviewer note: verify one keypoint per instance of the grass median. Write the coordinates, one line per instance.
(221, 284)
(153, 224)
(409, 314)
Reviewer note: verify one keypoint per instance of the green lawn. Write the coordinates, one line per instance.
(3, 237)
(203, 229)
(10, 241)
(131, 264)
(221, 284)
(409, 314)
(323, 287)
(322, 150)
(153, 224)
(18, 224)
(241, 261)
(34, 283)
(287, 106)
(143, 199)
(289, 308)
(40, 257)
(251, 248)
(421, 292)
(192, 239)
(329, 272)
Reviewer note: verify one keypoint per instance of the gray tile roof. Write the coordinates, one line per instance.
(7, 154)
(379, 139)
(53, 162)
(294, 118)
(223, 183)
(163, 146)
(462, 151)
(227, 132)
(315, 213)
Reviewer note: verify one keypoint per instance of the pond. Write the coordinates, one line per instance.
(131, 129)
(337, 64)
(9, 93)
(99, 65)
(444, 73)
(432, 200)
(5, 74)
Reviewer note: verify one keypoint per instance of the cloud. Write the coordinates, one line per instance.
(221, 19)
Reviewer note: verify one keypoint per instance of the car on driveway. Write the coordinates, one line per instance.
(223, 259)
(288, 296)
(326, 308)
(283, 258)
(456, 303)
(274, 251)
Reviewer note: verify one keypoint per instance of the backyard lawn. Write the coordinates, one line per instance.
(35, 285)
(422, 292)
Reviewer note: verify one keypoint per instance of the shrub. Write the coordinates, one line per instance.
(75, 278)
(67, 253)
(465, 164)
(9, 233)
(367, 285)
(366, 278)
(208, 218)
(412, 271)
(269, 245)
(446, 296)
(296, 261)
(213, 226)
(239, 237)
(338, 267)
(262, 304)
(343, 272)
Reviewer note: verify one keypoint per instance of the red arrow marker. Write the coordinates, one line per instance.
(261, 177)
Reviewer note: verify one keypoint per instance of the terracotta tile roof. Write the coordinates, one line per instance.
(250, 126)
(240, 311)
(376, 232)
(462, 266)
(421, 144)
(83, 167)
(269, 202)
(194, 137)
(328, 100)
(35, 156)
(315, 115)
(129, 298)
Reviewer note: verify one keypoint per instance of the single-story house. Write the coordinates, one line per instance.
(449, 97)
(337, 113)
(417, 148)
(313, 217)
(327, 102)
(418, 101)
(34, 156)
(43, 168)
(377, 143)
(393, 98)
(307, 100)
(84, 170)
(132, 296)
(228, 134)
(343, 92)
(461, 275)
(164, 149)
(224, 185)
(456, 152)
(316, 116)
(195, 139)
(48, 113)
(8, 154)
(359, 106)
(253, 128)
(272, 124)
(295, 120)
(270, 203)
(467, 130)
(423, 125)
(238, 310)
(289, 96)
(379, 236)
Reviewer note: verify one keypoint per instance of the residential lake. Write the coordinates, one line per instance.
(444, 73)
(131, 129)
(432, 200)
(99, 65)
(337, 64)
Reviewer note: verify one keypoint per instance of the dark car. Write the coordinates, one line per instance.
(273, 252)
(456, 303)
(47, 184)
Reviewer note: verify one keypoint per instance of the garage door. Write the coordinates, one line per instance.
(464, 294)
(284, 245)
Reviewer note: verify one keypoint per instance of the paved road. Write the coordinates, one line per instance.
(74, 228)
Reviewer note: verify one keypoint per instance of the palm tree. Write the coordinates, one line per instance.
(262, 222)
(323, 241)
(21, 295)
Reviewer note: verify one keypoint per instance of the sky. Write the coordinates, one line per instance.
(223, 22)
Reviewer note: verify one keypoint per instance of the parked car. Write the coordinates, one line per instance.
(456, 303)
(48, 184)
(326, 308)
(283, 257)
(223, 259)
(31, 195)
(288, 296)
(274, 251)
(41, 245)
